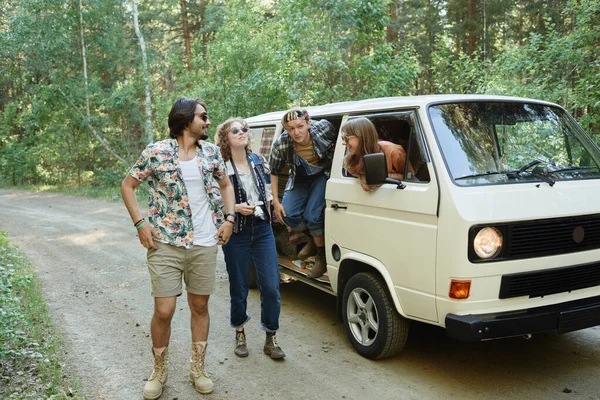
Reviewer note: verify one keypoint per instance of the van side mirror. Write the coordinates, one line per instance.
(376, 170)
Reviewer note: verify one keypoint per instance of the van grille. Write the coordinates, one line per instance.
(553, 236)
(542, 283)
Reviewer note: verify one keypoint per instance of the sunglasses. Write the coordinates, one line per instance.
(203, 117)
(346, 138)
(235, 131)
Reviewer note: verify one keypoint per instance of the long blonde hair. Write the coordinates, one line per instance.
(222, 138)
(365, 131)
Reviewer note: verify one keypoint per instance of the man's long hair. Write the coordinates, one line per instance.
(182, 114)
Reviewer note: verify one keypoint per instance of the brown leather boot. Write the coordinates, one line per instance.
(154, 386)
(309, 249)
(271, 348)
(241, 349)
(320, 266)
(198, 376)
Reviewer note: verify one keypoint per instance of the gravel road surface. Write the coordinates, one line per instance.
(96, 283)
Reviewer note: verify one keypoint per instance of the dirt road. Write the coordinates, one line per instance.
(95, 280)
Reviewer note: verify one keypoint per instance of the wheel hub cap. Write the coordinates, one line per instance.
(362, 317)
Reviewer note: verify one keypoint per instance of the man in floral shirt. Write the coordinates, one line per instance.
(189, 190)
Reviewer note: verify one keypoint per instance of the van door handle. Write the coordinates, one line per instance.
(336, 206)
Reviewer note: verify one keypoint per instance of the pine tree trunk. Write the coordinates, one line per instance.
(471, 39)
(85, 76)
(392, 31)
(186, 34)
(92, 128)
(205, 35)
(149, 133)
(86, 117)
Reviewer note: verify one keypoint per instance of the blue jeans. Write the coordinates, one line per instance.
(304, 206)
(254, 243)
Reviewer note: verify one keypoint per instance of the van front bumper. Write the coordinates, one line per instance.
(563, 317)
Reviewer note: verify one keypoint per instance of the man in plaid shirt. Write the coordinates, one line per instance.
(307, 147)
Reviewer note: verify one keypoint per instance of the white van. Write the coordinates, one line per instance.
(495, 234)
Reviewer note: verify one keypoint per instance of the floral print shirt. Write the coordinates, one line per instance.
(170, 213)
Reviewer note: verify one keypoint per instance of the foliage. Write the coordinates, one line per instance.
(29, 346)
(246, 57)
(557, 67)
(243, 75)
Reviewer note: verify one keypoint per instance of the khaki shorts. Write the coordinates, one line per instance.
(168, 263)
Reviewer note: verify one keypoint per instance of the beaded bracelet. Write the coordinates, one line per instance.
(140, 225)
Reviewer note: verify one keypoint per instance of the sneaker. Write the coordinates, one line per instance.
(241, 350)
(271, 348)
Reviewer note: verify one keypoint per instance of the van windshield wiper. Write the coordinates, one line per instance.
(574, 168)
(487, 174)
(509, 173)
(541, 177)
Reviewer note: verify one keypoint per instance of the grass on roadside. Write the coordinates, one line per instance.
(30, 347)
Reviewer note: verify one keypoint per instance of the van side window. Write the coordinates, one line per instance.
(401, 128)
(416, 154)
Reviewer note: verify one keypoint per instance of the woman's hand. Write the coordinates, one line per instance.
(365, 187)
(244, 209)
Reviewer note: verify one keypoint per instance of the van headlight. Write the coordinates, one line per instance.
(487, 243)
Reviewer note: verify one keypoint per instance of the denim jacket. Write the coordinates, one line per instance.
(261, 175)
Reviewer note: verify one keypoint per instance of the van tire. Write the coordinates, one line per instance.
(366, 297)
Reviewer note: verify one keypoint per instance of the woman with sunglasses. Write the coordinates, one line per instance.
(359, 136)
(252, 240)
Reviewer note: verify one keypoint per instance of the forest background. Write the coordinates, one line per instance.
(86, 84)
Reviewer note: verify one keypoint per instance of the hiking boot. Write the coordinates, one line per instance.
(309, 249)
(320, 266)
(154, 386)
(272, 348)
(241, 350)
(198, 376)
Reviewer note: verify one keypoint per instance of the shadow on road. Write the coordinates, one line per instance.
(499, 368)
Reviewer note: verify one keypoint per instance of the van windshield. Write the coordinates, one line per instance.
(500, 142)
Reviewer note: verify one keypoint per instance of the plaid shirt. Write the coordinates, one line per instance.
(170, 213)
(282, 151)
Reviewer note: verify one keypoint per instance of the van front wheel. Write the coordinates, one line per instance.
(372, 324)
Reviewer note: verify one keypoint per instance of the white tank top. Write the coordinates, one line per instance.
(204, 228)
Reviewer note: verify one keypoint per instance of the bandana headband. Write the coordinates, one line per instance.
(296, 114)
